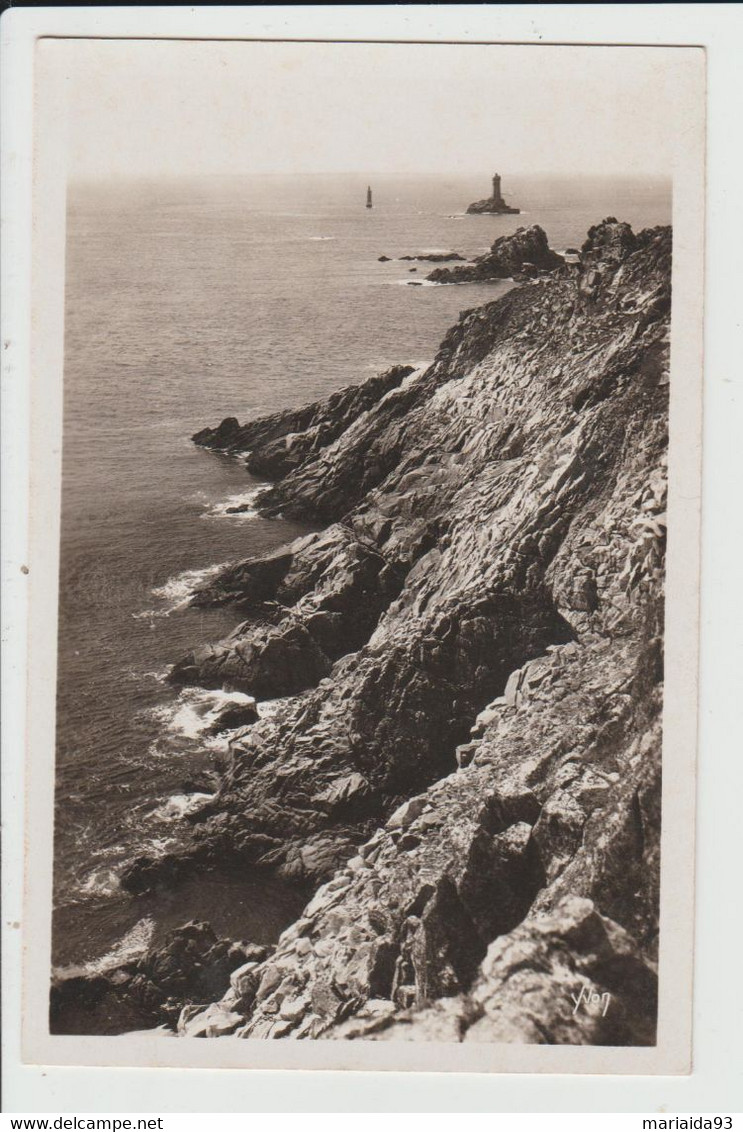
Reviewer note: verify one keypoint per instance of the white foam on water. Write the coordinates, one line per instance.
(158, 846)
(100, 882)
(415, 283)
(321, 237)
(130, 946)
(155, 751)
(107, 850)
(158, 675)
(467, 282)
(162, 1031)
(225, 509)
(179, 590)
(191, 716)
(197, 709)
(178, 805)
(181, 587)
(163, 713)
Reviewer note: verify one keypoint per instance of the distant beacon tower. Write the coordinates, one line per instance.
(368, 196)
(495, 204)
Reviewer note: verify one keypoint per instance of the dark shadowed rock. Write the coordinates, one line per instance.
(191, 965)
(234, 716)
(220, 437)
(434, 257)
(573, 978)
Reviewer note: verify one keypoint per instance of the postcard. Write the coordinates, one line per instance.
(366, 414)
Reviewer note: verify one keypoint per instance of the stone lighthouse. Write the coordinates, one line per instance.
(497, 198)
(494, 204)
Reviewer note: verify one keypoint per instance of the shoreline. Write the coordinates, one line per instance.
(447, 590)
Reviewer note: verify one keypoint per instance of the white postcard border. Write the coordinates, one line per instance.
(679, 718)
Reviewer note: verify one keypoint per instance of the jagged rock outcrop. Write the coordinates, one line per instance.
(467, 762)
(435, 257)
(523, 255)
(572, 977)
(191, 966)
(425, 257)
(276, 444)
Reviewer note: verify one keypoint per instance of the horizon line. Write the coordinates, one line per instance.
(166, 175)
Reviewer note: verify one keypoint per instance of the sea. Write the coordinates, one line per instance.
(188, 301)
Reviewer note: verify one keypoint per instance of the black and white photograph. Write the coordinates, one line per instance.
(373, 681)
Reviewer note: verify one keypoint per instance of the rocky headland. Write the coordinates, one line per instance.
(465, 766)
(521, 256)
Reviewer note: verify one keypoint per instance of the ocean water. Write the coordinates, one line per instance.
(189, 301)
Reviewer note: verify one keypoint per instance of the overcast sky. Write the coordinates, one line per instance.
(139, 108)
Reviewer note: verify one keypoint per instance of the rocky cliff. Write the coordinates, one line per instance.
(466, 763)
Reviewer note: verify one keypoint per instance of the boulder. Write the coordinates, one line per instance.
(234, 716)
(220, 437)
(212, 1022)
